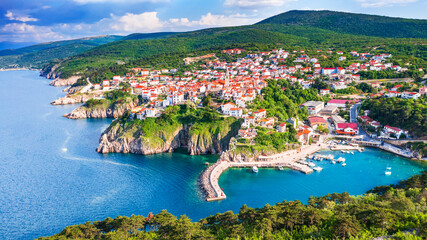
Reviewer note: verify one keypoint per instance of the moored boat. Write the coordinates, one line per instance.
(255, 169)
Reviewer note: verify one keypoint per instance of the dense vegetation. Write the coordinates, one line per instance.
(360, 24)
(398, 210)
(205, 124)
(37, 56)
(282, 100)
(168, 49)
(408, 114)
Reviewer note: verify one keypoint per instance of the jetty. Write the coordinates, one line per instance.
(208, 180)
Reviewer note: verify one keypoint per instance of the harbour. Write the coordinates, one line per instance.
(58, 188)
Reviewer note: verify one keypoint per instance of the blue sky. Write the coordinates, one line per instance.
(50, 20)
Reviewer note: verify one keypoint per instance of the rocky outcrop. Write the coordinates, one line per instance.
(112, 140)
(60, 82)
(73, 99)
(123, 138)
(232, 156)
(50, 72)
(113, 111)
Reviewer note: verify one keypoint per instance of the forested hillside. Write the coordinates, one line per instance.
(399, 211)
(408, 114)
(359, 24)
(37, 56)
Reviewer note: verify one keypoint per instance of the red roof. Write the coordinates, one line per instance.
(347, 125)
(342, 101)
(316, 120)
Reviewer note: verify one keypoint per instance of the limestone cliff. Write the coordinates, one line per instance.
(149, 138)
(60, 82)
(51, 72)
(105, 110)
(73, 99)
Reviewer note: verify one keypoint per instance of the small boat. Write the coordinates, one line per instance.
(352, 153)
(388, 171)
(333, 162)
(360, 150)
(341, 159)
(342, 151)
(344, 164)
(311, 164)
(255, 169)
(280, 168)
(206, 163)
(318, 169)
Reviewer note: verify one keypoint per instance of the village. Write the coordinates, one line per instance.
(234, 85)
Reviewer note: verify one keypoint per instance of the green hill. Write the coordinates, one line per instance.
(37, 56)
(360, 24)
(291, 30)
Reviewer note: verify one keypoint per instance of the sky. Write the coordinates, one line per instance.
(39, 21)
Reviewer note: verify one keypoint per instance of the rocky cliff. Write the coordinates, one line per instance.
(125, 137)
(73, 99)
(50, 72)
(107, 110)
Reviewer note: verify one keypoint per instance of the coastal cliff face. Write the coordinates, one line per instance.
(50, 73)
(101, 111)
(73, 99)
(60, 82)
(129, 138)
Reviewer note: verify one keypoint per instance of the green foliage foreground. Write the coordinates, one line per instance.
(398, 210)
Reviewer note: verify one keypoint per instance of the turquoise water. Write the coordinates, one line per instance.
(51, 175)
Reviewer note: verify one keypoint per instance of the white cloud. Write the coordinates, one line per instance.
(145, 22)
(256, 3)
(18, 17)
(130, 22)
(383, 3)
(22, 32)
(116, 1)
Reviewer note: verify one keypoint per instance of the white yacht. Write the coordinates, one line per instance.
(280, 168)
(333, 162)
(388, 171)
(344, 164)
(255, 169)
(311, 164)
(317, 169)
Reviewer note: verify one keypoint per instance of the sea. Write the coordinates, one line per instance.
(51, 176)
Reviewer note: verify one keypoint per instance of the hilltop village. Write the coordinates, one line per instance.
(230, 88)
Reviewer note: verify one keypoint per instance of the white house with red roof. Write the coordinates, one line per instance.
(410, 95)
(281, 127)
(394, 130)
(347, 128)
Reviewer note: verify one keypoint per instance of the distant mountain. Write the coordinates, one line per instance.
(148, 36)
(36, 56)
(14, 45)
(352, 23)
(294, 29)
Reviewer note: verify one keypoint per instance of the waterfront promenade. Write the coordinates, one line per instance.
(209, 179)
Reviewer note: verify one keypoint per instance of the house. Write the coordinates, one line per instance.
(247, 133)
(329, 110)
(227, 106)
(341, 103)
(248, 121)
(423, 91)
(317, 121)
(281, 127)
(394, 130)
(304, 135)
(262, 113)
(234, 112)
(314, 107)
(347, 129)
(266, 122)
(410, 95)
(293, 122)
(324, 92)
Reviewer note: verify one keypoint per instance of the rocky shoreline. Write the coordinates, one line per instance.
(117, 139)
(113, 111)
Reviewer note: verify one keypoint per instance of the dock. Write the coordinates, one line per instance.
(208, 180)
